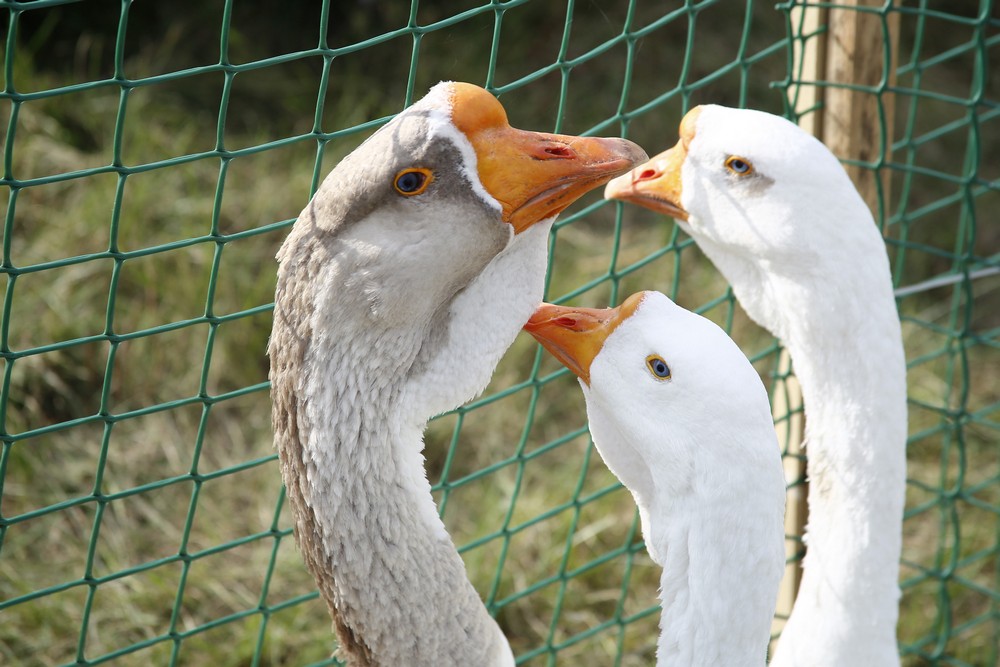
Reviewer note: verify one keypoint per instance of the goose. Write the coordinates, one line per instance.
(776, 213)
(681, 417)
(399, 287)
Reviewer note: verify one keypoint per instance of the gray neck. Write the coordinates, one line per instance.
(382, 557)
(353, 470)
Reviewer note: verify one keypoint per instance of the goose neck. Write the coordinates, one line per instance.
(722, 564)
(366, 520)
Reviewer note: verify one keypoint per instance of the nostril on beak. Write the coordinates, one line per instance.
(644, 175)
(559, 151)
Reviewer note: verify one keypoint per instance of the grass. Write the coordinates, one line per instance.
(569, 559)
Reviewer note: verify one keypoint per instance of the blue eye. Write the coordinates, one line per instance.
(738, 165)
(412, 181)
(658, 367)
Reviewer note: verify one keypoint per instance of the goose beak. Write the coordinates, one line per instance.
(534, 175)
(575, 336)
(657, 184)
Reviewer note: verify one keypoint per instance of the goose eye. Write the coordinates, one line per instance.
(411, 182)
(738, 165)
(658, 367)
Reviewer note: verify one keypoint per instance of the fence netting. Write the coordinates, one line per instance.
(154, 157)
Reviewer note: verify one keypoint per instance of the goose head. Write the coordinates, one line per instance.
(763, 198)
(676, 410)
(413, 216)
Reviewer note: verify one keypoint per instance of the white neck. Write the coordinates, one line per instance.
(840, 325)
(722, 556)
(484, 319)
(715, 524)
(854, 390)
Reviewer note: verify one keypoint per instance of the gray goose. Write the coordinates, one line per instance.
(399, 287)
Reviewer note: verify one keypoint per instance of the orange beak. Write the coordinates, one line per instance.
(575, 336)
(534, 176)
(656, 185)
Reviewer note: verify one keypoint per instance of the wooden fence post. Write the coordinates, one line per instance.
(853, 129)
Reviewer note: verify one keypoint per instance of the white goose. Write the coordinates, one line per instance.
(680, 415)
(399, 288)
(777, 214)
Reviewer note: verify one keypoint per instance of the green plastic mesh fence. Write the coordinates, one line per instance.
(153, 159)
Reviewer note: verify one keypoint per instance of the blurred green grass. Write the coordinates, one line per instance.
(595, 517)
